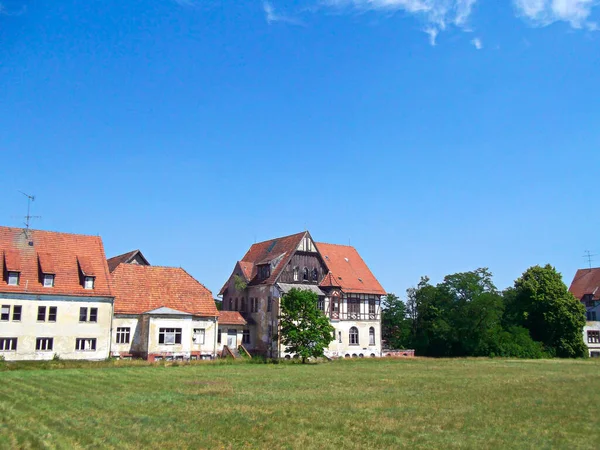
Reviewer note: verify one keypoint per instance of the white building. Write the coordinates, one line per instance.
(161, 313)
(586, 287)
(55, 296)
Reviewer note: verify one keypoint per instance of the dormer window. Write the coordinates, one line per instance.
(88, 282)
(305, 274)
(13, 278)
(48, 280)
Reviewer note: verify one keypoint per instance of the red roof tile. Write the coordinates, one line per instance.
(65, 250)
(143, 288)
(349, 269)
(586, 281)
(12, 260)
(46, 263)
(231, 318)
(330, 281)
(265, 251)
(85, 266)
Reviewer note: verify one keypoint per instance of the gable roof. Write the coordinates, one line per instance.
(281, 248)
(349, 269)
(33, 252)
(231, 318)
(125, 258)
(139, 289)
(163, 310)
(586, 281)
(329, 281)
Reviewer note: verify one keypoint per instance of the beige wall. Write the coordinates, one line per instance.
(187, 325)
(64, 331)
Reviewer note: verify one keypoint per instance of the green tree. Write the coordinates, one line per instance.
(305, 330)
(542, 303)
(395, 325)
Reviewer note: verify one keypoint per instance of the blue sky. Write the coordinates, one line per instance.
(435, 136)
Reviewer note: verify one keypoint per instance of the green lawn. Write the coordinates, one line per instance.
(424, 403)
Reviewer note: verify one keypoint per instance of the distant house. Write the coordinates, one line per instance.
(133, 257)
(586, 287)
(162, 313)
(55, 296)
(348, 293)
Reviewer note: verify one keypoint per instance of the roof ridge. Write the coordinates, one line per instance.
(337, 245)
(280, 237)
(51, 231)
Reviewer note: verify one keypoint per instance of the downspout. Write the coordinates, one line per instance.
(216, 337)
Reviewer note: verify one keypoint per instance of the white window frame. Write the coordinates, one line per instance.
(44, 344)
(123, 335)
(88, 282)
(5, 312)
(8, 344)
(48, 280)
(13, 278)
(351, 334)
(85, 344)
(199, 336)
(169, 336)
(372, 336)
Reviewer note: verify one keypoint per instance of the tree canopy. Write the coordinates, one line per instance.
(305, 330)
(466, 315)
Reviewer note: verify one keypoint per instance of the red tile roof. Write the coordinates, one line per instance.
(265, 251)
(231, 318)
(25, 251)
(586, 281)
(124, 259)
(139, 289)
(330, 281)
(46, 263)
(349, 269)
(86, 267)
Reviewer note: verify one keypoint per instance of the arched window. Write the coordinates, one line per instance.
(305, 274)
(315, 274)
(371, 336)
(353, 336)
(296, 273)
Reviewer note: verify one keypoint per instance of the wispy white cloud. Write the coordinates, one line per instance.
(437, 15)
(272, 16)
(477, 43)
(544, 12)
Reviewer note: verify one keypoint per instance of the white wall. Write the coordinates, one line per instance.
(64, 331)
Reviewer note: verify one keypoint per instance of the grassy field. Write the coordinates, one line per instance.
(423, 403)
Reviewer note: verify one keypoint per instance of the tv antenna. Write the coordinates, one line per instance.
(28, 217)
(589, 256)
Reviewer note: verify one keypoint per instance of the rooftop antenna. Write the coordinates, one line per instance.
(588, 255)
(28, 217)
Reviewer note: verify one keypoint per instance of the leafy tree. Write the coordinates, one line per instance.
(305, 330)
(395, 325)
(542, 303)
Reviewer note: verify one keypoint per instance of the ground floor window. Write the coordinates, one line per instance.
(371, 336)
(169, 336)
(85, 344)
(593, 336)
(594, 354)
(123, 335)
(199, 335)
(246, 337)
(8, 344)
(44, 344)
(218, 336)
(340, 337)
(353, 336)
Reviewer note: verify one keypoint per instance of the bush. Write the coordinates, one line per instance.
(516, 342)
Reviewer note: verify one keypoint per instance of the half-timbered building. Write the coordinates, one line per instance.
(347, 291)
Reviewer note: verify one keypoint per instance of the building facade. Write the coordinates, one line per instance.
(55, 296)
(161, 313)
(347, 293)
(586, 287)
